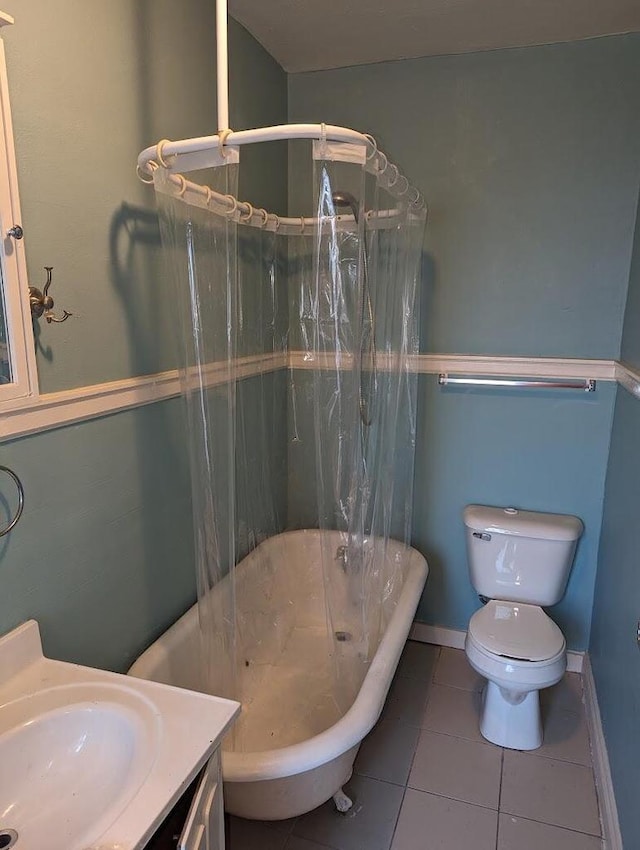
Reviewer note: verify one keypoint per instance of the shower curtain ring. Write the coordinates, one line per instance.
(277, 222)
(302, 225)
(265, 216)
(393, 182)
(373, 144)
(183, 185)
(222, 138)
(245, 219)
(145, 176)
(381, 156)
(209, 195)
(234, 205)
(159, 155)
(406, 186)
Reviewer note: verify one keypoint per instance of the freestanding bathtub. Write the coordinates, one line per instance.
(295, 742)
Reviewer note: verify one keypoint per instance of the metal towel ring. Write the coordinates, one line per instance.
(18, 484)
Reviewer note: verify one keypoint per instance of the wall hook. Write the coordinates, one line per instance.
(42, 303)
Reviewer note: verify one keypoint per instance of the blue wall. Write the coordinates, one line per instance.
(103, 555)
(631, 335)
(542, 451)
(528, 158)
(616, 611)
(92, 84)
(614, 653)
(529, 161)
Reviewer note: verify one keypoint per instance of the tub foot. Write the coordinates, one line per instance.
(342, 802)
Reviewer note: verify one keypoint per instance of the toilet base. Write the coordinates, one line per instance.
(511, 719)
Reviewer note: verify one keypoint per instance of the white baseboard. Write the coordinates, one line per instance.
(438, 635)
(612, 839)
(441, 636)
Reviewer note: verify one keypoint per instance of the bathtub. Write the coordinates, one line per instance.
(295, 742)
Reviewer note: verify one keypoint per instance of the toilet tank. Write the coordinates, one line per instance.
(520, 556)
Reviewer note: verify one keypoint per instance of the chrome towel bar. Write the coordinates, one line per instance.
(587, 386)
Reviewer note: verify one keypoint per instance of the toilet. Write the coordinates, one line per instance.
(519, 562)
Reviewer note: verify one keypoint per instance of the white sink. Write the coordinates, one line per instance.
(71, 758)
(91, 760)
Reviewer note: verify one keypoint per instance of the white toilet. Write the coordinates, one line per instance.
(518, 562)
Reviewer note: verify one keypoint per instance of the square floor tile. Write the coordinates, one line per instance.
(454, 670)
(454, 767)
(428, 822)
(566, 737)
(418, 660)
(453, 711)
(254, 835)
(368, 825)
(551, 791)
(406, 701)
(521, 834)
(567, 695)
(387, 751)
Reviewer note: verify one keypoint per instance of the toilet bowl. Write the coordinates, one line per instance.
(518, 562)
(520, 651)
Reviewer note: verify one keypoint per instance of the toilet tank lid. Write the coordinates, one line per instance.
(519, 523)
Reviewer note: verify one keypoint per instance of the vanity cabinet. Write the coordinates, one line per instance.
(204, 826)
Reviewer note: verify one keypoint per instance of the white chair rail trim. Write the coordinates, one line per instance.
(55, 410)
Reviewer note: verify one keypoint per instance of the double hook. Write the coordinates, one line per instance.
(42, 303)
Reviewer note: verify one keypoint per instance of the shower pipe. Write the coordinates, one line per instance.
(346, 199)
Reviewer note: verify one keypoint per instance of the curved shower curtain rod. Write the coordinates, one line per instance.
(168, 154)
(207, 151)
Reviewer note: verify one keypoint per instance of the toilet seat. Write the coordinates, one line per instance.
(516, 631)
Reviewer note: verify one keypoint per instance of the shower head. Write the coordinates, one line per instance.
(346, 199)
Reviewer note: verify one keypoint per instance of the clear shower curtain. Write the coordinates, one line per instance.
(326, 443)
(358, 311)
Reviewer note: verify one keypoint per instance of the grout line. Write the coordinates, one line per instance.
(413, 758)
(500, 797)
(555, 825)
(458, 688)
(454, 799)
(501, 779)
(377, 779)
(459, 737)
(395, 826)
(537, 755)
(310, 840)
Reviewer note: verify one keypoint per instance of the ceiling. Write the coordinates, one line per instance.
(309, 35)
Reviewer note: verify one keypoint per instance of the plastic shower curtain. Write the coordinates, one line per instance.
(300, 414)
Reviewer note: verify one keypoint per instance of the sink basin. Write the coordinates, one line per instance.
(71, 758)
(92, 760)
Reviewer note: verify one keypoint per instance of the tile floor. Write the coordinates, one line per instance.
(425, 779)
